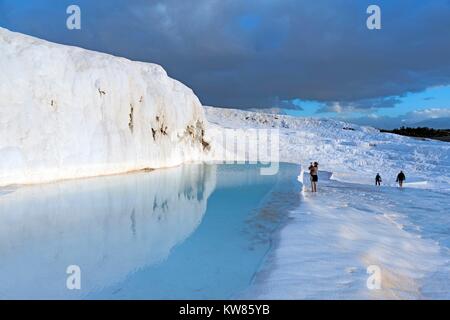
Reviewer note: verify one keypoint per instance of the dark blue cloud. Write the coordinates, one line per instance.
(262, 53)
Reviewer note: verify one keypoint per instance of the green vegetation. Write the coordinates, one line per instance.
(422, 132)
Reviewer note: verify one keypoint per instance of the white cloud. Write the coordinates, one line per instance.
(433, 117)
(432, 113)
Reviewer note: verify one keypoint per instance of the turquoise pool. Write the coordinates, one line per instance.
(192, 232)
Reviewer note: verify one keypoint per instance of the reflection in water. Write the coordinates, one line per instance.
(110, 227)
(192, 232)
(219, 260)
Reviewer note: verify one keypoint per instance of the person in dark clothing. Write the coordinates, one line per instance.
(378, 180)
(400, 178)
(314, 171)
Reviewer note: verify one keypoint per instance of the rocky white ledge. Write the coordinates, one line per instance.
(66, 112)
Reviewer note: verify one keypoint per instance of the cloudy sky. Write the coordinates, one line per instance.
(312, 58)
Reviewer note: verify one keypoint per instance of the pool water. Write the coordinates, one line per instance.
(197, 231)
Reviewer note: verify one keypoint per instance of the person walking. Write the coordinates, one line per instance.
(378, 180)
(401, 178)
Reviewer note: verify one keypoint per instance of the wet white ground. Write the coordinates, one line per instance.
(331, 239)
(329, 242)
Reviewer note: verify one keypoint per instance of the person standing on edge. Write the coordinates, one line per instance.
(378, 180)
(314, 171)
(400, 178)
(311, 169)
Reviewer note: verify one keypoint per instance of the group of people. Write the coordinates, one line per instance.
(314, 176)
(400, 179)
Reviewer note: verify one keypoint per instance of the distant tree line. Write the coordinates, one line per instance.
(421, 132)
